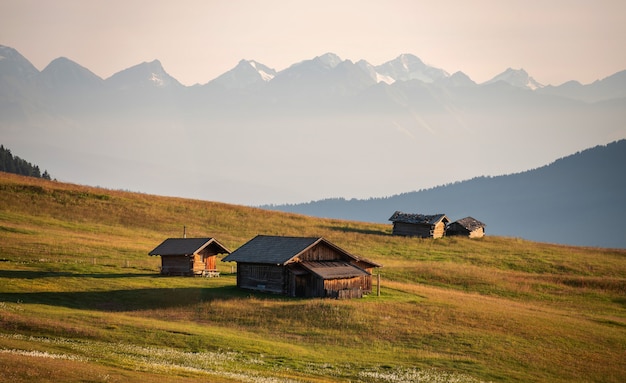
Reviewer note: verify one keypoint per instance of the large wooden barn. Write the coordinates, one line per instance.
(468, 227)
(189, 256)
(301, 267)
(419, 225)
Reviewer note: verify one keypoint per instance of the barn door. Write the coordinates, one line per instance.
(301, 284)
(209, 262)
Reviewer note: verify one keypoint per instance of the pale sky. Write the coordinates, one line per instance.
(197, 40)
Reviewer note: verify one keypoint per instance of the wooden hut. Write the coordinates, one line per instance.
(301, 267)
(189, 256)
(419, 225)
(468, 227)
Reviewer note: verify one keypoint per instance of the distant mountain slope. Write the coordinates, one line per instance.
(579, 199)
(611, 87)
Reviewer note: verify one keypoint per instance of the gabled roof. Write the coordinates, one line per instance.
(271, 249)
(434, 219)
(280, 250)
(470, 223)
(185, 246)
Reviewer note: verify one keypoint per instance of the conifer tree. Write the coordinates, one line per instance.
(14, 164)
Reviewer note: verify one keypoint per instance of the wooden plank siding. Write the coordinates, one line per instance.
(176, 265)
(320, 252)
(456, 230)
(477, 233)
(346, 287)
(189, 256)
(418, 230)
(439, 230)
(468, 227)
(262, 277)
(206, 259)
(301, 267)
(279, 280)
(309, 285)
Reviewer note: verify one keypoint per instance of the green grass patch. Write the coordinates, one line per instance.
(80, 300)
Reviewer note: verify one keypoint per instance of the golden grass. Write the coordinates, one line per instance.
(76, 280)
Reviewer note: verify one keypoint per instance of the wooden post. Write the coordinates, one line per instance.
(378, 284)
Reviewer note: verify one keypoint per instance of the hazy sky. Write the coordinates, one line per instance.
(197, 40)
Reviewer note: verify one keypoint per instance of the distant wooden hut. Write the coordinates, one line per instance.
(301, 267)
(419, 225)
(189, 256)
(468, 227)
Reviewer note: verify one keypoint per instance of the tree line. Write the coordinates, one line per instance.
(14, 164)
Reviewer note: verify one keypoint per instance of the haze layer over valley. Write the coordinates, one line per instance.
(324, 127)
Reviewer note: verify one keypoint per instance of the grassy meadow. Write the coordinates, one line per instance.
(81, 301)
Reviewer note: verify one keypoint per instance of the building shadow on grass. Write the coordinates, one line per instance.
(128, 300)
(28, 274)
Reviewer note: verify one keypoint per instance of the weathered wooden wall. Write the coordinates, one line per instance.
(294, 280)
(456, 229)
(417, 230)
(477, 233)
(206, 259)
(262, 277)
(321, 252)
(439, 230)
(176, 265)
(344, 288)
(298, 284)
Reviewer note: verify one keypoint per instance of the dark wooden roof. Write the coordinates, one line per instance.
(185, 246)
(424, 219)
(334, 269)
(271, 249)
(280, 250)
(470, 223)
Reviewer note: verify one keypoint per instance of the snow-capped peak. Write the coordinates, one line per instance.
(371, 70)
(409, 67)
(518, 78)
(329, 59)
(266, 73)
(147, 73)
(246, 73)
(156, 74)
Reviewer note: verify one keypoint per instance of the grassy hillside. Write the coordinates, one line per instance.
(80, 300)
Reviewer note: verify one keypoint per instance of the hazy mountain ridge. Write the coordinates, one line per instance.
(321, 128)
(405, 67)
(519, 78)
(579, 199)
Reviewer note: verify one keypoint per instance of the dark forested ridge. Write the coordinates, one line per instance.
(14, 164)
(578, 200)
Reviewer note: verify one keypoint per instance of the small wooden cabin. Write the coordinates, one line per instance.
(468, 227)
(301, 267)
(419, 225)
(189, 256)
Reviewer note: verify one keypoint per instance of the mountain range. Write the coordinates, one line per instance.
(321, 128)
(579, 199)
